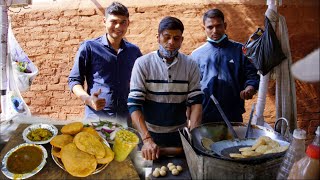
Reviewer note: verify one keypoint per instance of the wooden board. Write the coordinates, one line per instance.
(115, 170)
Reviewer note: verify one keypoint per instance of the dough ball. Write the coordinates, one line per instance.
(163, 168)
(172, 167)
(175, 172)
(179, 168)
(163, 173)
(169, 164)
(156, 173)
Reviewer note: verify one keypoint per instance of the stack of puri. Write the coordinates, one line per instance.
(81, 149)
(263, 145)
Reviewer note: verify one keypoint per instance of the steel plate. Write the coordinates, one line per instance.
(99, 168)
(10, 175)
(32, 127)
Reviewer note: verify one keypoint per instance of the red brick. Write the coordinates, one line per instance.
(62, 116)
(34, 43)
(303, 124)
(75, 117)
(56, 87)
(71, 12)
(38, 87)
(314, 123)
(40, 101)
(312, 129)
(74, 102)
(28, 94)
(86, 12)
(63, 35)
(58, 102)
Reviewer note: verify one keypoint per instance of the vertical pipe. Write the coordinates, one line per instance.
(264, 80)
(3, 55)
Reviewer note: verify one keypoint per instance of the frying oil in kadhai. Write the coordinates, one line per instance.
(24, 160)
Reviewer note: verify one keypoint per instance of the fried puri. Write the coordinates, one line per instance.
(263, 148)
(89, 143)
(56, 152)
(259, 142)
(72, 128)
(77, 162)
(61, 140)
(245, 149)
(263, 145)
(91, 131)
(250, 153)
(277, 149)
(108, 157)
(236, 155)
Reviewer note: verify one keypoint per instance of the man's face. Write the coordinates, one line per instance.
(116, 25)
(214, 28)
(170, 39)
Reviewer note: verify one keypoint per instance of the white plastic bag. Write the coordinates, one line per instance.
(24, 71)
(15, 104)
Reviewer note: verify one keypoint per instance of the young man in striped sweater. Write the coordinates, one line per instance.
(163, 84)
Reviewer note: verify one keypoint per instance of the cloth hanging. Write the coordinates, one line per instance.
(285, 85)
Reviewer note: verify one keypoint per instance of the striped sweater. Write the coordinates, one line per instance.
(163, 91)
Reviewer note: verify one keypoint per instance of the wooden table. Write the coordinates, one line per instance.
(115, 170)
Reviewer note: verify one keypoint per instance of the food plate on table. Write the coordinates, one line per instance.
(39, 133)
(24, 161)
(80, 150)
(99, 168)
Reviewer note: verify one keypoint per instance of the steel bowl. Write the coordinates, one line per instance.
(11, 175)
(32, 127)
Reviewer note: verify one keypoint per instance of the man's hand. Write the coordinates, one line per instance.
(95, 102)
(150, 150)
(247, 93)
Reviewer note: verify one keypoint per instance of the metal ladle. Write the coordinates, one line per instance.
(224, 117)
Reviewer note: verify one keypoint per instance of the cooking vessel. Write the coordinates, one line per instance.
(218, 131)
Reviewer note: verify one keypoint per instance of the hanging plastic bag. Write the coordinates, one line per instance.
(15, 105)
(263, 49)
(24, 71)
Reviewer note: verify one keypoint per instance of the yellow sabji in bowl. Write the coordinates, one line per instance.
(124, 143)
(39, 135)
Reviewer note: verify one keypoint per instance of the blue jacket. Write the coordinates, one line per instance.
(98, 64)
(225, 72)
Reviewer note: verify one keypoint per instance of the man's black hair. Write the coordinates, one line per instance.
(213, 13)
(117, 8)
(170, 23)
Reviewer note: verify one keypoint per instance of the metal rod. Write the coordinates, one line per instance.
(3, 57)
(224, 117)
(249, 123)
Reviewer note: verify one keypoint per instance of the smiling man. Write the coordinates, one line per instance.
(225, 72)
(105, 63)
(163, 84)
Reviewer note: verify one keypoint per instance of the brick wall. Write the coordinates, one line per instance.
(51, 39)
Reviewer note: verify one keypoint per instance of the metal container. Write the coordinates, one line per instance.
(204, 165)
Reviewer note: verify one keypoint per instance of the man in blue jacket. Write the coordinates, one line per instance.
(105, 63)
(225, 71)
